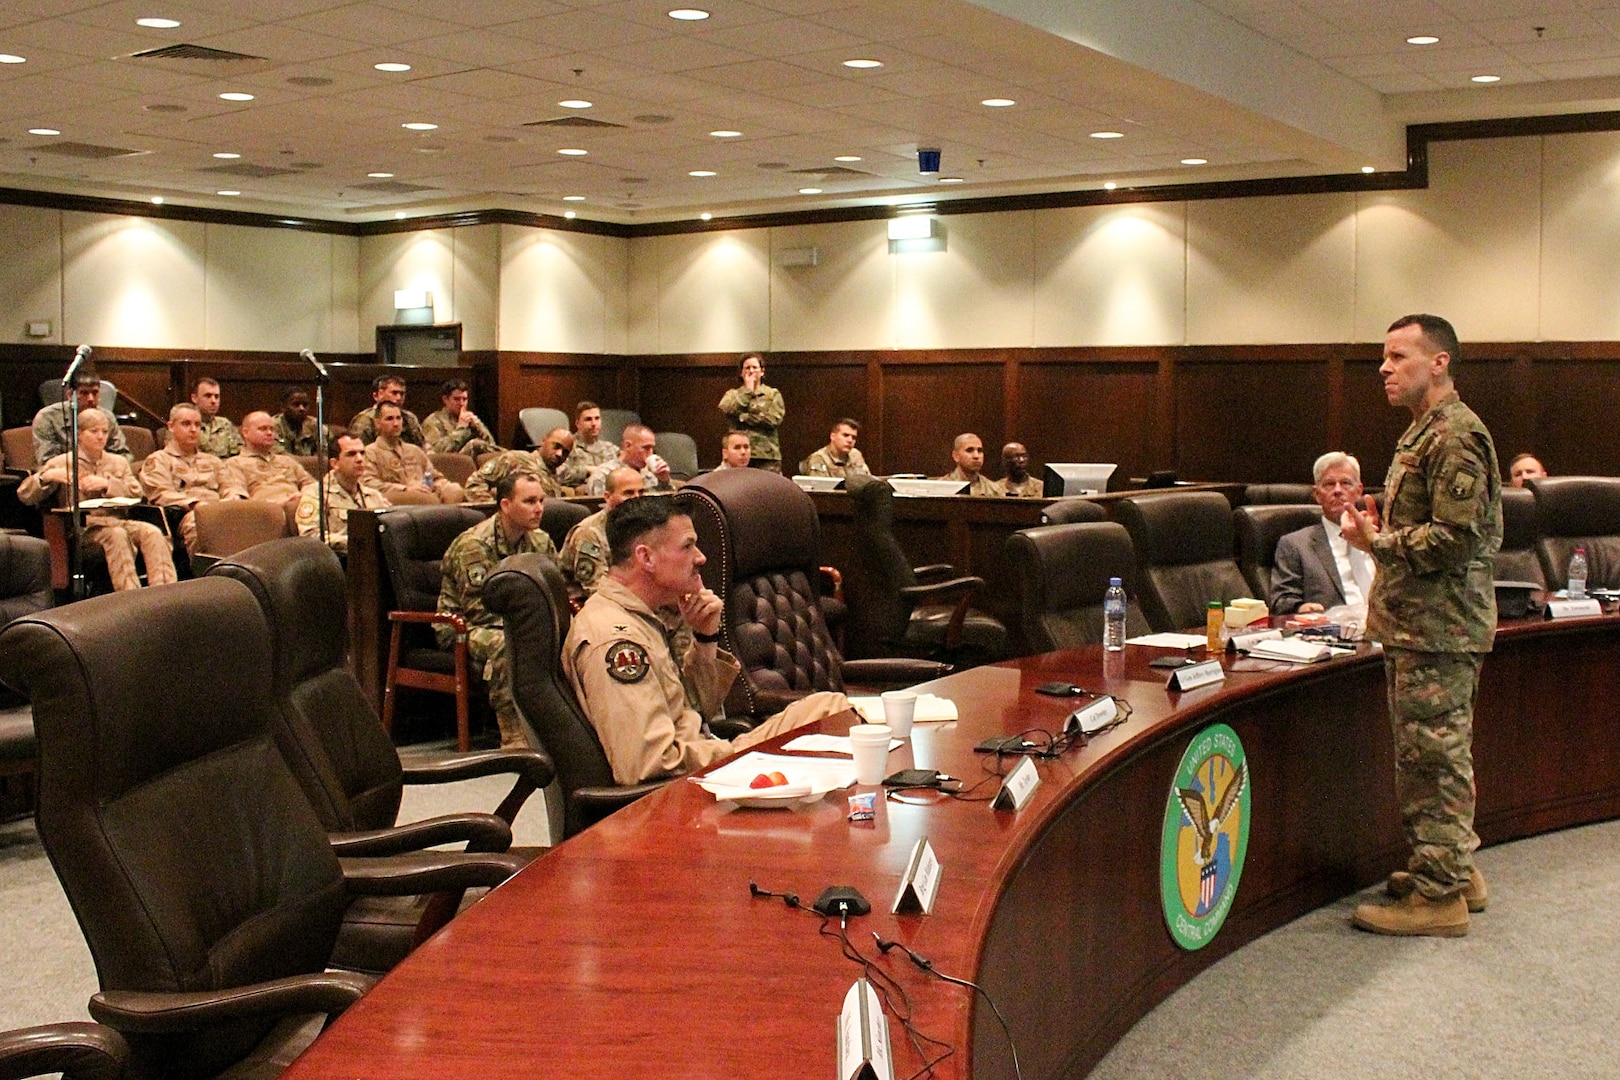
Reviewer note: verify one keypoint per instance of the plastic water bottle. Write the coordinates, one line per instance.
(1114, 616)
(1577, 574)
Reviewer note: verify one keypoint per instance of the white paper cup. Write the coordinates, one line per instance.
(899, 709)
(871, 745)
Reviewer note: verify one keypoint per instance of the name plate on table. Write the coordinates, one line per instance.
(1089, 720)
(863, 1036)
(1017, 786)
(1190, 678)
(918, 884)
(1574, 609)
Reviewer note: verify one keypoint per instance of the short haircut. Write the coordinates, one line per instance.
(634, 431)
(847, 422)
(388, 405)
(634, 518)
(182, 406)
(584, 407)
(961, 440)
(292, 392)
(450, 386)
(1520, 457)
(1437, 332)
(506, 482)
(198, 384)
(725, 440)
(86, 376)
(620, 474)
(1331, 459)
(333, 449)
(95, 418)
(385, 380)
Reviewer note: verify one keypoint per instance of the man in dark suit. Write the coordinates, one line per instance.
(1315, 568)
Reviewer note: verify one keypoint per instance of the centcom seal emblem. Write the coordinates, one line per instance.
(1206, 834)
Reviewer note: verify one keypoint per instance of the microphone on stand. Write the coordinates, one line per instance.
(322, 460)
(76, 583)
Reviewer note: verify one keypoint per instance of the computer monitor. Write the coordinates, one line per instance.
(1077, 478)
(927, 487)
(819, 483)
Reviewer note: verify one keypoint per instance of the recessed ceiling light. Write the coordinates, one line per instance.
(1368, 169)
(157, 200)
(158, 24)
(418, 126)
(235, 95)
(226, 155)
(998, 102)
(227, 193)
(573, 151)
(1194, 161)
(12, 58)
(706, 216)
(1486, 78)
(575, 103)
(380, 175)
(847, 157)
(573, 198)
(950, 179)
(1423, 39)
(43, 131)
(726, 134)
(1110, 186)
(1107, 134)
(863, 63)
(809, 191)
(392, 67)
(701, 172)
(569, 215)
(689, 14)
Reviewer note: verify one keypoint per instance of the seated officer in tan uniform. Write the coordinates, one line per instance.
(393, 466)
(584, 558)
(179, 473)
(1018, 483)
(968, 453)
(344, 492)
(647, 691)
(260, 472)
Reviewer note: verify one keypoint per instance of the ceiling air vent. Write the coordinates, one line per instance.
(190, 52)
(86, 150)
(572, 122)
(391, 187)
(242, 168)
(832, 172)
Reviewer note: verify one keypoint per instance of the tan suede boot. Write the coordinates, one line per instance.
(1477, 893)
(1415, 915)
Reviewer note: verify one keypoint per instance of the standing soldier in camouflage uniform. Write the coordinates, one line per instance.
(757, 409)
(584, 559)
(471, 558)
(1434, 610)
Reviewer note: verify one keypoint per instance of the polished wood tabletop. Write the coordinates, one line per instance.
(636, 949)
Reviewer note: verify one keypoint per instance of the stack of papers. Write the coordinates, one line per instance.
(1171, 641)
(1292, 650)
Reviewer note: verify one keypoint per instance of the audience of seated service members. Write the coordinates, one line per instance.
(52, 424)
(261, 472)
(181, 474)
(648, 689)
(584, 558)
(296, 431)
(456, 429)
(219, 436)
(839, 457)
(735, 452)
(968, 453)
(1315, 567)
(758, 410)
(1525, 467)
(636, 451)
(389, 388)
(104, 475)
(472, 557)
(393, 466)
(590, 449)
(344, 492)
(1017, 482)
(543, 462)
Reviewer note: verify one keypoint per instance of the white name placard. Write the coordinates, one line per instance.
(1090, 718)
(918, 884)
(863, 1036)
(1574, 609)
(1189, 678)
(1017, 786)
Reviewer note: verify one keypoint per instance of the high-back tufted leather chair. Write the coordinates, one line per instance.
(1521, 533)
(1278, 495)
(1183, 542)
(1579, 511)
(529, 594)
(1257, 529)
(1072, 511)
(1062, 573)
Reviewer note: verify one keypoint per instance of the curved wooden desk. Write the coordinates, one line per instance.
(636, 949)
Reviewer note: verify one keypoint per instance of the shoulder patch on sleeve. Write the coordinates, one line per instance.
(627, 661)
(1463, 482)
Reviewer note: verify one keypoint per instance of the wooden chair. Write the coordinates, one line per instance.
(224, 528)
(17, 448)
(454, 467)
(141, 441)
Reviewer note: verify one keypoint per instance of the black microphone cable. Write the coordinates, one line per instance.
(928, 965)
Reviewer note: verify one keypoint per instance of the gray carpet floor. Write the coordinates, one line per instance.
(1531, 992)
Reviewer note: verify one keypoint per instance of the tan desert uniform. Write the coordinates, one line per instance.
(268, 477)
(364, 426)
(822, 463)
(339, 501)
(650, 483)
(1031, 488)
(175, 479)
(585, 556)
(220, 437)
(482, 483)
(301, 442)
(446, 436)
(393, 466)
(116, 535)
(981, 485)
(576, 468)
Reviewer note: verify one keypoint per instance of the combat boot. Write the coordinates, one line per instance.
(1476, 892)
(1415, 915)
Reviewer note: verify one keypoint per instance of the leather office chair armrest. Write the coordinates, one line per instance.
(436, 618)
(480, 832)
(81, 1051)
(428, 871)
(963, 588)
(145, 1012)
(596, 803)
(935, 571)
(892, 671)
(732, 726)
(835, 578)
(532, 768)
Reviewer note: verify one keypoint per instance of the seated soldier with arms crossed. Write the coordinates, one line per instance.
(180, 474)
(261, 472)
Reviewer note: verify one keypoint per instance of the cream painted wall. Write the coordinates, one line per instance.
(270, 289)
(1111, 275)
(708, 292)
(133, 281)
(31, 273)
(562, 291)
(419, 260)
(1580, 253)
(845, 300)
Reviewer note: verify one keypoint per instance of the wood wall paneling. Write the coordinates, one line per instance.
(556, 381)
(1241, 419)
(1084, 411)
(1575, 402)
(927, 404)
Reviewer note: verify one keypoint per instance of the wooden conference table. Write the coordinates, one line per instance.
(636, 949)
